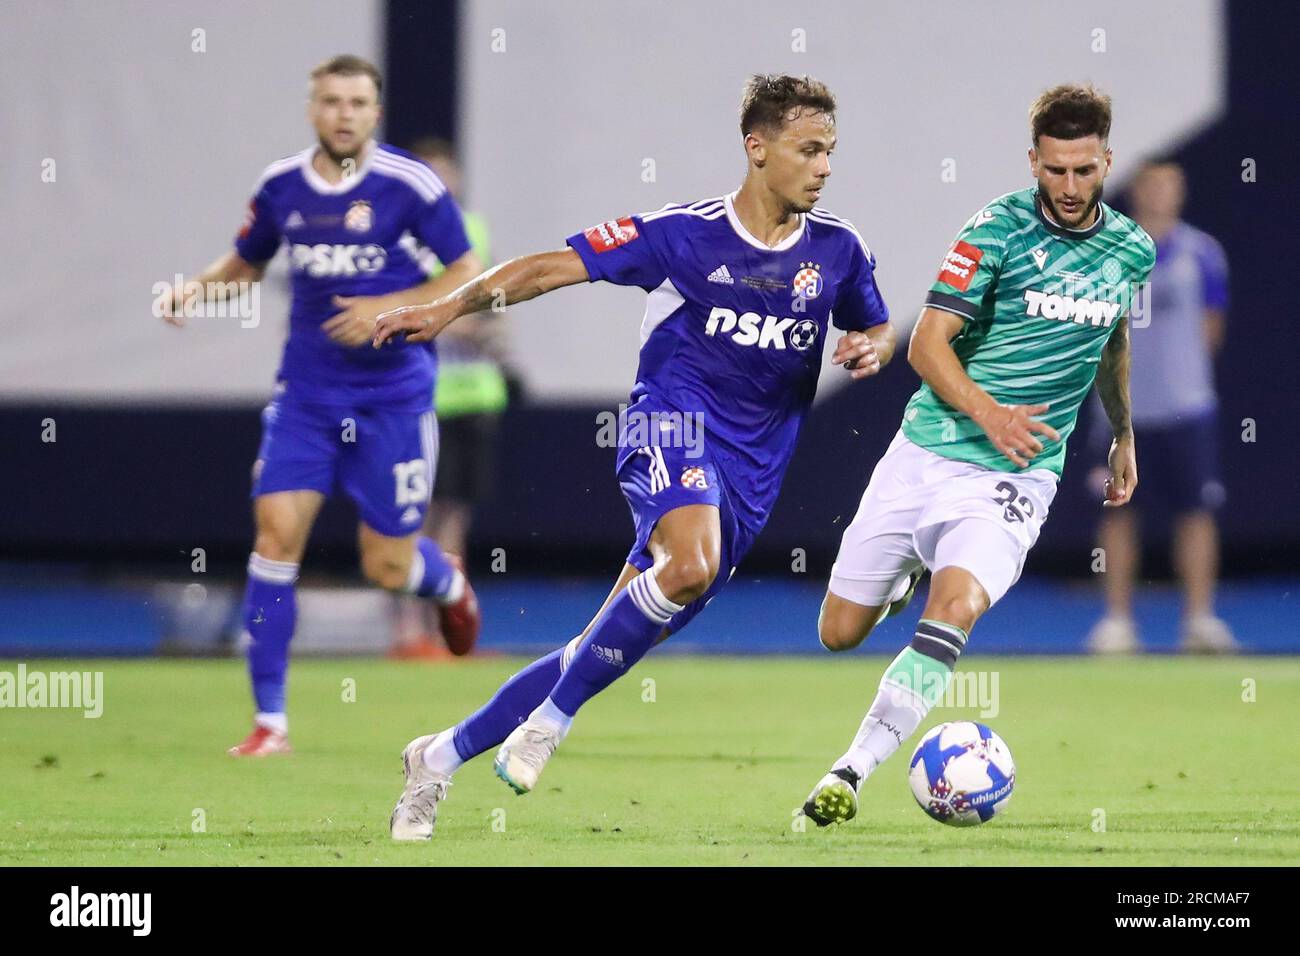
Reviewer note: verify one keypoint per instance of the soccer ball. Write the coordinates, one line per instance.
(961, 773)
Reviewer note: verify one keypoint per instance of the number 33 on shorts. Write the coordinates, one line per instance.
(1021, 503)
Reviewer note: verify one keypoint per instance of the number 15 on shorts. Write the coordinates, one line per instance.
(412, 482)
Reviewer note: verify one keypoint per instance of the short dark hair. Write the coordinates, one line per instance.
(1155, 162)
(770, 101)
(434, 147)
(1070, 111)
(347, 64)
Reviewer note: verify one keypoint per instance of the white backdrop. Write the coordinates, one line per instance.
(157, 146)
(156, 149)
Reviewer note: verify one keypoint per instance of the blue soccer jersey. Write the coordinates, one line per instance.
(734, 329)
(359, 237)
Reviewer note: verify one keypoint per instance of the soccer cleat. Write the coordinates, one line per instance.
(417, 808)
(1113, 635)
(1207, 634)
(460, 622)
(262, 742)
(522, 757)
(899, 601)
(834, 799)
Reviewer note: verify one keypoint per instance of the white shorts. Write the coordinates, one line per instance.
(923, 509)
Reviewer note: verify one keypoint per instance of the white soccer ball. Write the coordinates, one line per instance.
(962, 773)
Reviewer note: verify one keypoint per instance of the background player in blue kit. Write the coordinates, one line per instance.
(1175, 418)
(741, 290)
(357, 216)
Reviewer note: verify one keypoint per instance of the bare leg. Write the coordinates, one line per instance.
(1196, 559)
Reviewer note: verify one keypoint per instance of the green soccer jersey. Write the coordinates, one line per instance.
(1039, 302)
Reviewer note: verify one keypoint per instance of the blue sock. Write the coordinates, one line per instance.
(492, 723)
(270, 611)
(620, 638)
(432, 575)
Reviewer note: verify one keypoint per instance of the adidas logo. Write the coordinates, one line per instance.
(295, 220)
(610, 655)
(721, 275)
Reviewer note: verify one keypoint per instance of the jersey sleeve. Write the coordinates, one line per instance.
(859, 305)
(259, 236)
(627, 251)
(972, 265)
(441, 226)
(1214, 274)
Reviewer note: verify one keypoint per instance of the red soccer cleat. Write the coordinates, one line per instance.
(460, 622)
(262, 742)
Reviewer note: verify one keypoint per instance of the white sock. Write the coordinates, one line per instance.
(894, 716)
(441, 755)
(455, 590)
(551, 716)
(277, 722)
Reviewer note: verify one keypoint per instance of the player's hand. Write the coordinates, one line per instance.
(356, 323)
(1011, 429)
(170, 307)
(419, 323)
(857, 353)
(1123, 478)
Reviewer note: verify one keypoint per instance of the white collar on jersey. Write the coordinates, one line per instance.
(739, 227)
(319, 183)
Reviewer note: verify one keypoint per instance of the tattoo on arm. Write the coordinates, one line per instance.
(1112, 380)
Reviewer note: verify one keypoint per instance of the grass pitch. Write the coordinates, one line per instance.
(1152, 761)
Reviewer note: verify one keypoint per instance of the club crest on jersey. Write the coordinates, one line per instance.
(808, 281)
(695, 478)
(360, 216)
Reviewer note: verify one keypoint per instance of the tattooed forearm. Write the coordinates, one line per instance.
(1112, 381)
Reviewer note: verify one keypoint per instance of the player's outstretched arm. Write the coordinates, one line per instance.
(516, 280)
(1010, 428)
(219, 281)
(1112, 389)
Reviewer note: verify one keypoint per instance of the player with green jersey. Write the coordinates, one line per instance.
(1029, 309)
(1039, 303)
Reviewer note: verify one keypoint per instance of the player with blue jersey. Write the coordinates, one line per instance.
(356, 216)
(741, 291)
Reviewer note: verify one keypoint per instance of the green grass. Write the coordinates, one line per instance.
(1185, 771)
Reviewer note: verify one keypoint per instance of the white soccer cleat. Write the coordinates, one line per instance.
(834, 799)
(523, 756)
(1113, 635)
(901, 596)
(1207, 634)
(417, 808)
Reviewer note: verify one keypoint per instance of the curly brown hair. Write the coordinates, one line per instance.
(771, 100)
(1070, 111)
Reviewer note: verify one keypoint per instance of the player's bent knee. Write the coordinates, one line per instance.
(684, 579)
(277, 544)
(962, 610)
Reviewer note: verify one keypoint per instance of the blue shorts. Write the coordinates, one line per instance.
(1178, 465)
(383, 459)
(658, 475)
